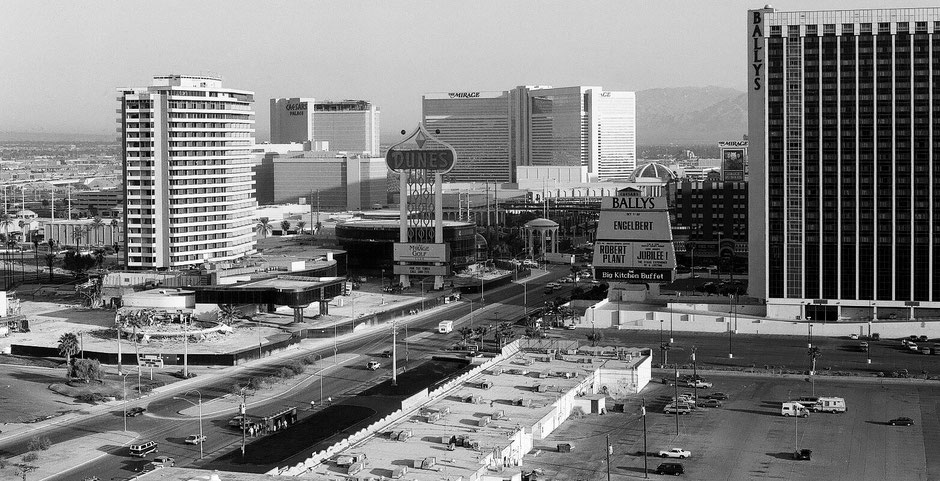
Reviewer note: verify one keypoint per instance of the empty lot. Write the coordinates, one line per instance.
(747, 438)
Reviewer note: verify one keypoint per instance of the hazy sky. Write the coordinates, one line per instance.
(61, 62)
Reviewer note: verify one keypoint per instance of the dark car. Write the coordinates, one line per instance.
(922, 339)
(902, 421)
(132, 412)
(802, 454)
(386, 353)
(709, 403)
(674, 469)
(718, 396)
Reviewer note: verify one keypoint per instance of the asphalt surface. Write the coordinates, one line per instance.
(163, 424)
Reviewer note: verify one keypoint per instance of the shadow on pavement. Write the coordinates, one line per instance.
(754, 411)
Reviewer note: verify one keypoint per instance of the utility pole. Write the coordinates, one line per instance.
(69, 192)
(186, 351)
(646, 470)
(609, 449)
(244, 412)
(394, 354)
(694, 376)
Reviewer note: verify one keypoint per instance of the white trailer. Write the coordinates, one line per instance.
(445, 326)
(831, 405)
(791, 408)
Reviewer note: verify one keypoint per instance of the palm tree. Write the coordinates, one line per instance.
(465, 335)
(50, 261)
(68, 347)
(317, 227)
(301, 224)
(6, 221)
(263, 228)
(77, 234)
(814, 353)
(227, 314)
(135, 320)
(596, 337)
(285, 226)
(96, 223)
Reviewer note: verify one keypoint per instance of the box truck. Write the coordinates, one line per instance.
(794, 409)
(445, 326)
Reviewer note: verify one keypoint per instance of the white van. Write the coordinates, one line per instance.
(142, 448)
(831, 405)
(445, 326)
(791, 408)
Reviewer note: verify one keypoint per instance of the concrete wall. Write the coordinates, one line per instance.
(652, 320)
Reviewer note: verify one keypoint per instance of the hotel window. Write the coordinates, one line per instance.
(920, 26)
(829, 29)
(811, 30)
(884, 27)
(902, 27)
(848, 29)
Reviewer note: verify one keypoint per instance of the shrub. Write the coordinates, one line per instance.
(297, 367)
(285, 372)
(38, 443)
(309, 359)
(30, 457)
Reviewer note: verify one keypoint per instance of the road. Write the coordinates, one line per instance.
(163, 424)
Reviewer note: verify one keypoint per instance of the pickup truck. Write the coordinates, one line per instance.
(699, 384)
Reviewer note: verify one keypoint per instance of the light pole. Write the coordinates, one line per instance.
(694, 376)
(244, 412)
(124, 389)
(868, 346)
(670, 324)
(335, 347)
(383, 287)
(809, 335)
(676, 384)
(200, 415)
(730, 334)
(471, 313)
(645, 448)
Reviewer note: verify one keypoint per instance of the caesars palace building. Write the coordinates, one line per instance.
(845, 162)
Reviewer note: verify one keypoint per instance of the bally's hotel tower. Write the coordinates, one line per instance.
(844, 130)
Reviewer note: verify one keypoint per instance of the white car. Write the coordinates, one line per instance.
(675, 453)
(194, 439)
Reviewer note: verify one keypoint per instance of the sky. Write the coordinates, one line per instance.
(62, 62)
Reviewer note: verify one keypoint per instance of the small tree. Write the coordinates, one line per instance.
(595, 337)
(300, 225)
(285, 226)
(88, 370)
(68, 347)
(78, 263)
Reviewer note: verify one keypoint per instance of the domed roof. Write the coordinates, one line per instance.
(652, 170)
(26, 213)
(541, 222)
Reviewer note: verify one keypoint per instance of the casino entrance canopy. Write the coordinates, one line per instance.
(293, 291)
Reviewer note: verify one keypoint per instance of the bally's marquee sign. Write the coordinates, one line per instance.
(634, 241)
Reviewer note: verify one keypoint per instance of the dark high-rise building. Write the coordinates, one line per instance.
(845, 162)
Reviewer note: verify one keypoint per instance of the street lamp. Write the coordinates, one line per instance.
(124, 389)
(200, 415)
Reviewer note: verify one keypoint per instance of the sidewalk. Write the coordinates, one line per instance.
(659, 374)
(61, 457)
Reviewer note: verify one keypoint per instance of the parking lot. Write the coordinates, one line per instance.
(748, 438)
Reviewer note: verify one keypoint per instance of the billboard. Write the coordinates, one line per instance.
(632, 225)
(634, 241)
(411, 252)
(656, 255)
(733, 160)
(421, 270)
(637, 275)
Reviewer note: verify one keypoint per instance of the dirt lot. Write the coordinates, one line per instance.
(747, 438)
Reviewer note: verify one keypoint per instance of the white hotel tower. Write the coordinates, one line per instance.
(188, 184)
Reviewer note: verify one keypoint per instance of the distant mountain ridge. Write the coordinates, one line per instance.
(690, 115)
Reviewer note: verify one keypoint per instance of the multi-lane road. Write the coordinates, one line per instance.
(163, 423)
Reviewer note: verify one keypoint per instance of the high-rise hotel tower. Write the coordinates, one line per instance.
(495, 132)
(844, 130)
(189, 193)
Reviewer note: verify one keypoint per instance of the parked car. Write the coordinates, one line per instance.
(699, 384)
(923, 339)
(853, 336)
(163, 461)
(912, 346)
(802, 454)
(681, 409)
(373, 365)
(386, 354)
(709, 403)
(137, 411)
(195, 439)
(675, 453)
(674, 469)
(716, 395)
(863, 345)
(901, 421)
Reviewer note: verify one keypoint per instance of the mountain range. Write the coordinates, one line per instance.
(690, 115)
